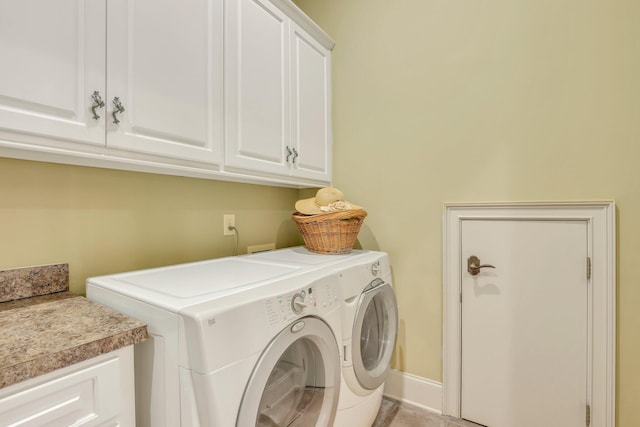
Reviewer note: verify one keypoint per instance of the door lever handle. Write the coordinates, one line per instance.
(474, 266)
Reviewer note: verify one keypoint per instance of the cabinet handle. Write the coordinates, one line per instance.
(289, 153)
(97, 103)
(295, 156)
(117, 108)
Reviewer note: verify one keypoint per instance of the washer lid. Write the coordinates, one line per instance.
(177, 286)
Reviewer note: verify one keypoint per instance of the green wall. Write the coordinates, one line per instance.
(104, 221)
(433, 102)
(458, 101)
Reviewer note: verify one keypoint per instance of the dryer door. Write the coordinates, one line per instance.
(296, 380)
(374, 334)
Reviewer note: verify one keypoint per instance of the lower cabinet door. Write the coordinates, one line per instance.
(88, 396)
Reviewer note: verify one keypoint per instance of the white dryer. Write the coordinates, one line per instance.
(370, 325)
(235, 342)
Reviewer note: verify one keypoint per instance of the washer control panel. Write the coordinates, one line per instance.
(317, 298)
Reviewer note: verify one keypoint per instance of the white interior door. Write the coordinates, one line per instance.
(524, 353)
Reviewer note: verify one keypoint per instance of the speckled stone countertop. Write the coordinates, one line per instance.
(39, 334)
(29, 282)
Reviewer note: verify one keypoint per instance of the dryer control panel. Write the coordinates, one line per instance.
(355, 278)
(317, 298)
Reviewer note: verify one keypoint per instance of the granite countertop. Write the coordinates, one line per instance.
(41, 333)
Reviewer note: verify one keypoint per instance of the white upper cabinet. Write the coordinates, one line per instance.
(310, 106)
(277, 93)
(151, 70)
(219, 89)
(53, 59)
(256, 86)
(164, 66)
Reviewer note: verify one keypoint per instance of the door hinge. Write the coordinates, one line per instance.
(588, 268)
(588, 415)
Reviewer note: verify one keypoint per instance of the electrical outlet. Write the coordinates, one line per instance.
(229, 220)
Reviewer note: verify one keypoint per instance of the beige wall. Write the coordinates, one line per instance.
(105, 221)
(458, 101)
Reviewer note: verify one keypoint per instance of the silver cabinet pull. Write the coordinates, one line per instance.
(289, 153)
(295, 156)
(117, 109)
(97, 103)
(473, 265)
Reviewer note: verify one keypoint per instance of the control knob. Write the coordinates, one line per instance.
(297, 303)
(375, 268)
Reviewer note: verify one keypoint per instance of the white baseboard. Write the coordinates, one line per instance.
(414, 390)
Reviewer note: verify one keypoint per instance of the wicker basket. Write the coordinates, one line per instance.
(330, 233)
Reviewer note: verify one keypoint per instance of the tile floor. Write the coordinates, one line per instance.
(397, 414)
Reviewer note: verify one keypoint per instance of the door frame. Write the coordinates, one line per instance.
(601, 248)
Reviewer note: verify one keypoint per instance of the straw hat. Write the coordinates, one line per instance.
(327, 200)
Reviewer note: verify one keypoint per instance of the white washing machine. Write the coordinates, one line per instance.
(234, 342)
(370, 325)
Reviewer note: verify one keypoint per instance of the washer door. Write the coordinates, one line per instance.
(296, 380)
(374, 334)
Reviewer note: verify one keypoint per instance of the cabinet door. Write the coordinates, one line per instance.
(53, 59)
(310, 106)
(164, 60)
(93, 395)
(257, 130)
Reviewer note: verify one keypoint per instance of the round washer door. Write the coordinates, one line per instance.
(374, 334)
(296, 380)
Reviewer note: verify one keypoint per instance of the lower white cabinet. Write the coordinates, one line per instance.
(97, 392)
